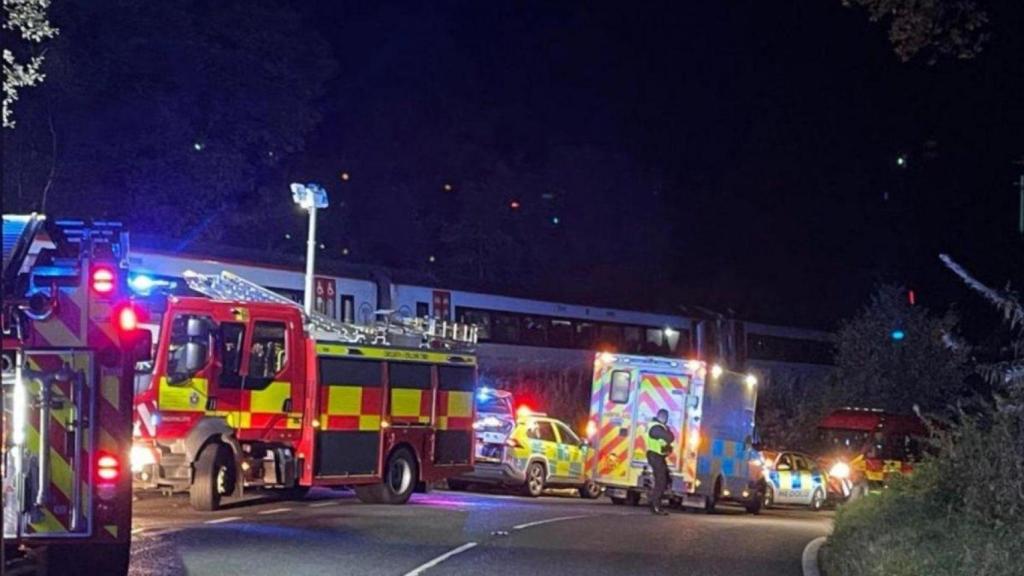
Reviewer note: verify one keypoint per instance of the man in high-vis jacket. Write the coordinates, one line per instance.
(659, 445)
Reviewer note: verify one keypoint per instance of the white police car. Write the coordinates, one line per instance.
(794, 478)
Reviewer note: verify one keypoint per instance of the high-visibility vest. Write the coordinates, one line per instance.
(656, 445)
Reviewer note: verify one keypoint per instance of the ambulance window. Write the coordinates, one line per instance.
(267, 354)
(403, 375)
(568, 436)
(537, 430)
(620, 387)
(232, 337)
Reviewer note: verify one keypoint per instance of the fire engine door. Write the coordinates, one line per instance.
(656, 392)
(48, 438)
(271, 401)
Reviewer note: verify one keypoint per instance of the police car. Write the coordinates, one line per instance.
(794, 478)
(540, 452)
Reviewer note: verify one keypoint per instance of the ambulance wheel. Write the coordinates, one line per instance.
(710, 502)
(817, 500)
(633, 498)
(769, 497)
(214, 477)
(590, 490)
(106, 559)
(534, 485)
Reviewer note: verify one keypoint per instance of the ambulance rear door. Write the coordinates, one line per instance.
(656, 391)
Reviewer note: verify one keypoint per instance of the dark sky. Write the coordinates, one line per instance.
(741, 155)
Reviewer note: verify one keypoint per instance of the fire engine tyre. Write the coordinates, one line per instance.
(590, 490)
(817, 500)
(534, 485)
(214, 477)
(106, 559)
(398, 484)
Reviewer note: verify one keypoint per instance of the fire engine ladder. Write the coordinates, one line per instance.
(392, 331)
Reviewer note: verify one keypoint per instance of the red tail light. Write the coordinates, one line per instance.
(103, 279)
(127, 319)
(108, 468)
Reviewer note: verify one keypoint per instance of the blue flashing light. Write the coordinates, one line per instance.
(141, 284)
(898, 335)
(483, 393)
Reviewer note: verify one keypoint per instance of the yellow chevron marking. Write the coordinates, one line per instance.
(110, 387)
(48, 524)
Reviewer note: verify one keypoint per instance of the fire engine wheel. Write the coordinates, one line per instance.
(817, 500)
(214, 477)
(590, 490)
(398, 484)
(534, 485)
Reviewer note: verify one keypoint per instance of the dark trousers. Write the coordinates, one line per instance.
(660, 471)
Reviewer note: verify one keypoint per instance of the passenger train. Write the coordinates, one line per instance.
(542, 350)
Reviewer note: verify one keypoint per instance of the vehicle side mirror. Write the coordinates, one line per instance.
(197, 328)
(142, 347)
(195, 356)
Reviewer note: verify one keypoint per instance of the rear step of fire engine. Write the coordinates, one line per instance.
(392, 331)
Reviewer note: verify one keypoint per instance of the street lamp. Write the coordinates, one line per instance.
(309, 197)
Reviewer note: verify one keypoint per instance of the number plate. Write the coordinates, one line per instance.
(493, 437)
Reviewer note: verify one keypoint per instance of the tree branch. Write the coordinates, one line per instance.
(1006, 302)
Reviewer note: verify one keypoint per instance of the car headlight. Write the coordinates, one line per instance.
(141, 456)
(840, 470)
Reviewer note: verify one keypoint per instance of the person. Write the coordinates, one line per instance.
(659, 445)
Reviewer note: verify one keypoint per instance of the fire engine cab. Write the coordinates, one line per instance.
(247, 390)
(70, 340)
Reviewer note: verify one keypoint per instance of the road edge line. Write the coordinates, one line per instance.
(809, 560)
(550, 520)
(430, 564)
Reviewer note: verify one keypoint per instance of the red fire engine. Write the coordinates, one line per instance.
(69, 342)
(249, 391)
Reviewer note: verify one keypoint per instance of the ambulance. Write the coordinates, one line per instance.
(710, 414)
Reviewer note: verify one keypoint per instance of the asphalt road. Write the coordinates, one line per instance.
(464, 533)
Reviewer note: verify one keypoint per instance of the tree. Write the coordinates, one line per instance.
(28, 19)
(932, 29)
(896, 356)
(170, 114)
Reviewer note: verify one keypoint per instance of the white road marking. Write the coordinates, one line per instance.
(274, 511)
(223, 520)
(809, 560)
(427, 566)
(322, 504)
(550, 520)
(137, 530)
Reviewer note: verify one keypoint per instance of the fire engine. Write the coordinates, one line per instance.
(863, 447)
(247, 390)
(712, 417)
(70, 340)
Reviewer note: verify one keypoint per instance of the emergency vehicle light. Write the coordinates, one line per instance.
(591, 428)
(716, 371)
(127, 319)
(103, 279)
(108, 469)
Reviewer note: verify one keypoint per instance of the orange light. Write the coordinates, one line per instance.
(591, 428)
(127, 319)
(103, 280)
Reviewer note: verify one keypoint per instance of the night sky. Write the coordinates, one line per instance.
(740, 156)
(771, 132)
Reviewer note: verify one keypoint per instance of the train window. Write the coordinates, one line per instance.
(480, 318)
(422, 310)
(620, 387)
(506, 328)
(586, 335)
(535, 330)
(631, 343)
(560, 335)
(611, 335)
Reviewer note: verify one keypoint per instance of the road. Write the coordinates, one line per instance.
(463, 533)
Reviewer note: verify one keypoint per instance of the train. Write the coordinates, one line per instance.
(540, 349)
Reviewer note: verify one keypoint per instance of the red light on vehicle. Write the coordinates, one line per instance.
(108, 469)
(127, 319)
(523, 411)
(103, 279)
